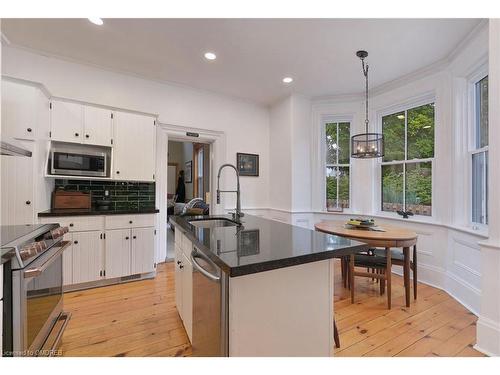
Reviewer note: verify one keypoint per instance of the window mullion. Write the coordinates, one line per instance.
(406, 158)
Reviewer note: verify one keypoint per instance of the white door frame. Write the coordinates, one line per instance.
(164, 133)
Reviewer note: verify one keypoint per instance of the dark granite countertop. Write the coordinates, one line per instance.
(93, 211)
(263, 245)
(6, 255)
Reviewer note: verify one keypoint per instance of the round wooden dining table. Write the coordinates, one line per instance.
(391, 237)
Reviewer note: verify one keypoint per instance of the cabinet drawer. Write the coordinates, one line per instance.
(129, 221)
(76, 223)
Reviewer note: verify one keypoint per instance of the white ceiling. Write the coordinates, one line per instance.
(253, 55)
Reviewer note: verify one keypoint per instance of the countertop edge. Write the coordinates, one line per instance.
(269, 265)
(97, 213)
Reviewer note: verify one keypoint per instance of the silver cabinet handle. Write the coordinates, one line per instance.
(202, 270)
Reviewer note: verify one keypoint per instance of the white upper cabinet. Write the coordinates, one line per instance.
(78, 123)
(17, 185)
(21, 106)
(66, 122)
(134, 147)
(97, 126)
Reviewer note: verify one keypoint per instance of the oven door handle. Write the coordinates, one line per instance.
(33, 272)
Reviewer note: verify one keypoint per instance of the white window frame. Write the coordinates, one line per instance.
(473, 79)
(328, 120)
(404, 107)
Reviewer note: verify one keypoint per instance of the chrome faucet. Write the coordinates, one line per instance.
(238, 214)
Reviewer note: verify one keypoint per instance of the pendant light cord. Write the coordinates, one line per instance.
(365, 72)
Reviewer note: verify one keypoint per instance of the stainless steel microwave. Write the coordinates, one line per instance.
(79, 160)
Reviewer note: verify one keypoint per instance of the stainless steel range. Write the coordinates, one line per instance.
(36, 289)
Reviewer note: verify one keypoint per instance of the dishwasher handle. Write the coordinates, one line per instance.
(201, 269)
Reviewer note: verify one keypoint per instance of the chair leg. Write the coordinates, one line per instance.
(415, 280)
(381, 283)
(388, 275)
(406, 274)
(351, 277)
(336, 337)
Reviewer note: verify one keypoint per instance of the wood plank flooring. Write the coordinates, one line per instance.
(140, 319)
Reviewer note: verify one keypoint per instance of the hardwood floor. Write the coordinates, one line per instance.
(140, 319)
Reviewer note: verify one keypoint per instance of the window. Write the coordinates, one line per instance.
(406, 168)
(479, 154)
(337, 137)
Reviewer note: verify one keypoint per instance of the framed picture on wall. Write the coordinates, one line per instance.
(188, 173)
(247, 164)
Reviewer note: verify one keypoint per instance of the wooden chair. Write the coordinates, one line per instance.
(380, 261)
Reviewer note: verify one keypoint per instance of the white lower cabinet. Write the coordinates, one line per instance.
(142, 251)
(86, 254)
(117, 254)
(184, 282)
(98, 252)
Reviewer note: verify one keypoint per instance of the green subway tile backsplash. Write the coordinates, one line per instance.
(122, 194)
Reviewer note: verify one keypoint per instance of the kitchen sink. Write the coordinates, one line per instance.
(213, 223)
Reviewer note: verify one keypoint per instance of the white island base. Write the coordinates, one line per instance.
(283, 312)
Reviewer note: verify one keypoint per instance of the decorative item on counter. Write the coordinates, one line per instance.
(247, 164)
(405, 214)
(62, 199)
(362, 223)
(105, 203)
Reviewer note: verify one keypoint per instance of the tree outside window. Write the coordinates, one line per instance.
(337, 138)
(407, 163)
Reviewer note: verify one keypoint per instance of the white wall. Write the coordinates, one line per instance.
(246, 125)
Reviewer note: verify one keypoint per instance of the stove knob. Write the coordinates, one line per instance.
(25, 254)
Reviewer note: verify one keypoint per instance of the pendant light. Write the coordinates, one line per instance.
(366, 145)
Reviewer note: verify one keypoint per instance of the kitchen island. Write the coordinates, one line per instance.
(263, 288)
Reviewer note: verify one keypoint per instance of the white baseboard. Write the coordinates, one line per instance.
(488, 335)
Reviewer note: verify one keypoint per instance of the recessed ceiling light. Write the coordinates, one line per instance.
(287, 80)
(210, 56)
(96, 21)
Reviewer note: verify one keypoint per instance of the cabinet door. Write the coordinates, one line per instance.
(178, 260)
(17, 205)
(117, 253)
(97, 126)
(134, 147)
(66, 122)
(187, 296)
(18, 111)
(87, 256)
(143, 250)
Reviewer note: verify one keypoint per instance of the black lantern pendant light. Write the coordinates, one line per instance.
(366, 145)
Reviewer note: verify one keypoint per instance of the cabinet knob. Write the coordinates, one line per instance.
(87, 136)
(76, 134)
(178, 262)
(75, 242)
(29, 130)
(181, 266)
(117, 172)
(134, 237)
(70, 224)
(126, 238)
(28, 202)
(130, 222)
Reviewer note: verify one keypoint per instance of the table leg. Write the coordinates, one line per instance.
(415, 280)
(351, 276)
(388, 275)
(406, 274)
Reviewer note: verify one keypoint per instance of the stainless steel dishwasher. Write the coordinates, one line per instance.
(210, 307)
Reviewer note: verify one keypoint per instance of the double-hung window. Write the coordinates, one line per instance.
(406, 168)
(337, 138)
(479, 154)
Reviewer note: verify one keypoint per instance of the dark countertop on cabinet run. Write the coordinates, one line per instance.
(263, 245)
(93, 211)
